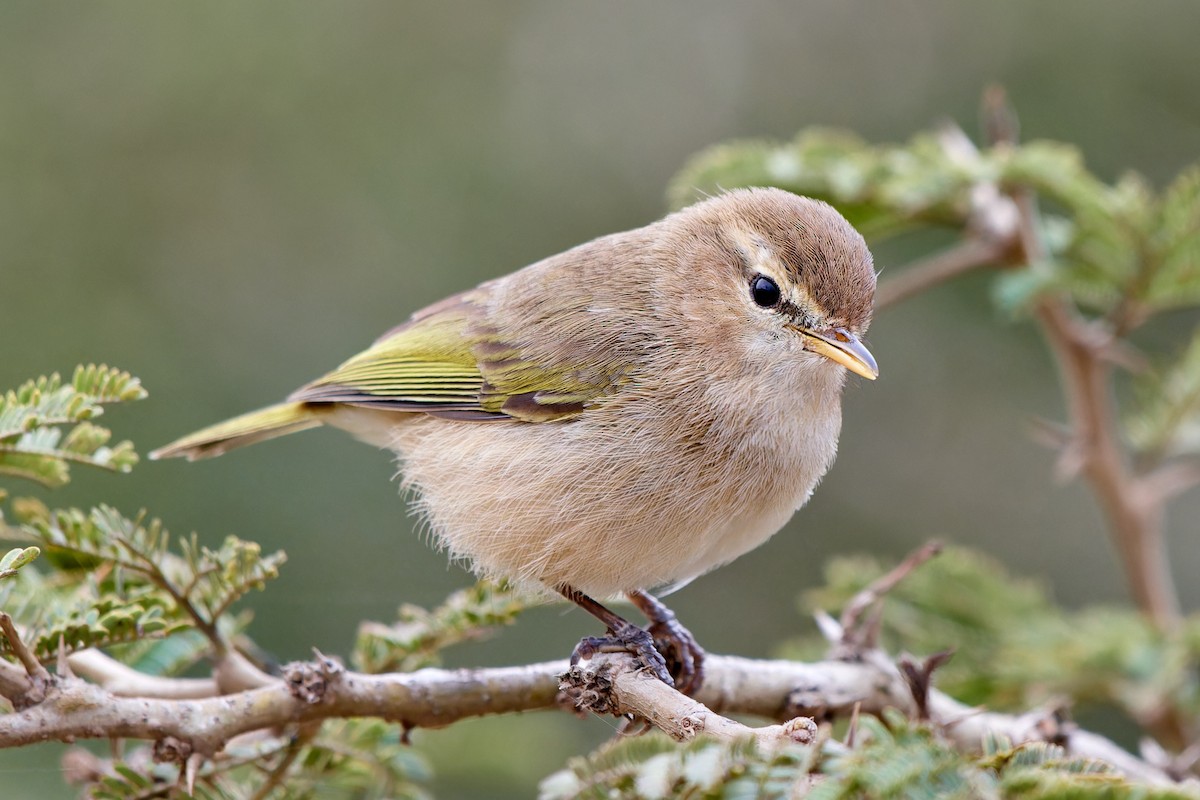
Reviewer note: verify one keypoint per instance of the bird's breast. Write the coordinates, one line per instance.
(636, 493)
(769, 457)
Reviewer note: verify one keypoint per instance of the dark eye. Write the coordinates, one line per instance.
(764, 292)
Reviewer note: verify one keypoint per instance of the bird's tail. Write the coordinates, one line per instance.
(257, 426)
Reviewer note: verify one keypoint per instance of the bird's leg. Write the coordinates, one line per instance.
(684, 656)
(623, 636)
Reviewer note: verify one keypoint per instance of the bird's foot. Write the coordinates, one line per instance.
(681, 651)
(626, 638)
(683, 654)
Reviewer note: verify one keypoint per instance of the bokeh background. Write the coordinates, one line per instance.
(229, 198)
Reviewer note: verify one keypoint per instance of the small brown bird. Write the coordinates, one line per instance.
(626, 415)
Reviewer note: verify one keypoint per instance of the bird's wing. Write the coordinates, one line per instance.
(448, 361)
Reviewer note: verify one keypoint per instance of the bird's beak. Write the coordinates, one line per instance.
(842, 347)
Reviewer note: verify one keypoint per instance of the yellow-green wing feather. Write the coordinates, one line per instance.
(424, 365)
(448, 361)
(250, 428)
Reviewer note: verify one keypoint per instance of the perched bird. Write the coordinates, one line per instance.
(623, 416)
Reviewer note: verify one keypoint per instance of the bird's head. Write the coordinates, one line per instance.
(781, 273)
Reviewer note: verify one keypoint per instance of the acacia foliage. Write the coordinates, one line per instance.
(103, 578)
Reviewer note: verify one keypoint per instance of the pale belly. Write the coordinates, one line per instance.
(554, 504)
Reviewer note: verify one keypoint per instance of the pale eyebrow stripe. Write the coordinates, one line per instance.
(762, 257)
(757, 252)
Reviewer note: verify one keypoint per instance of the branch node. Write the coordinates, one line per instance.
(801, 730)
(690, 726)
(588, 690)
(309, 681)
(172, 750)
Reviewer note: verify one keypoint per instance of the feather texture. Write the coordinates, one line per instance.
(648, 420)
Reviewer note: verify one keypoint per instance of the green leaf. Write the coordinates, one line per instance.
(652, 766)
(1013, 648)
(1166, 419)
(1107, 226)
(358, 759)
(215, 579)
(46, 470)
(881, 189)
(34, 448)
(138, 587)
(16, 558)
(87, 613)
(416, 638)
(102, 384)
(1175, 246)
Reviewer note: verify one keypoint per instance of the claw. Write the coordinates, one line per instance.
(683, 654)
(666, 648)
(628, 638)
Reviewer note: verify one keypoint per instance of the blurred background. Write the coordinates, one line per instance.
(228, 199)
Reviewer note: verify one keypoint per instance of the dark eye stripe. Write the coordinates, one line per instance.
(764, 292)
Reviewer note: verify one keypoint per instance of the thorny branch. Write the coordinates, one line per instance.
(968, 255)
(1135, 513)
(198, 717)
(1004, 229)
(26, 692)
(778, 690)
(189, 720)
(852, 633)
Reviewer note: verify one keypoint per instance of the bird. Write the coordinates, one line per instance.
(620, 418)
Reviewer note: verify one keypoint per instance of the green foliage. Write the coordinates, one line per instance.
(892, 757)
(116, 581)
(1121, 252)
(902, 759)
(1110, 245)
(1014, 649)
(882, 190)
(358, 759)
(343, 759)
(1167, 418)
(16, 558)
(653, 766)
(1174, 245)
(88, 615)
(160, 604)
(35, 445)
(416, 638)
(133, 586)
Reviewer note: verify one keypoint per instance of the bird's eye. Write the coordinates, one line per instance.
(764, 292)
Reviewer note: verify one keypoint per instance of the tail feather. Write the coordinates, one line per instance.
(257, 426)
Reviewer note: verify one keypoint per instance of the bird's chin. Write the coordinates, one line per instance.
(784, 365)
(818, 366)
(800, 375)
